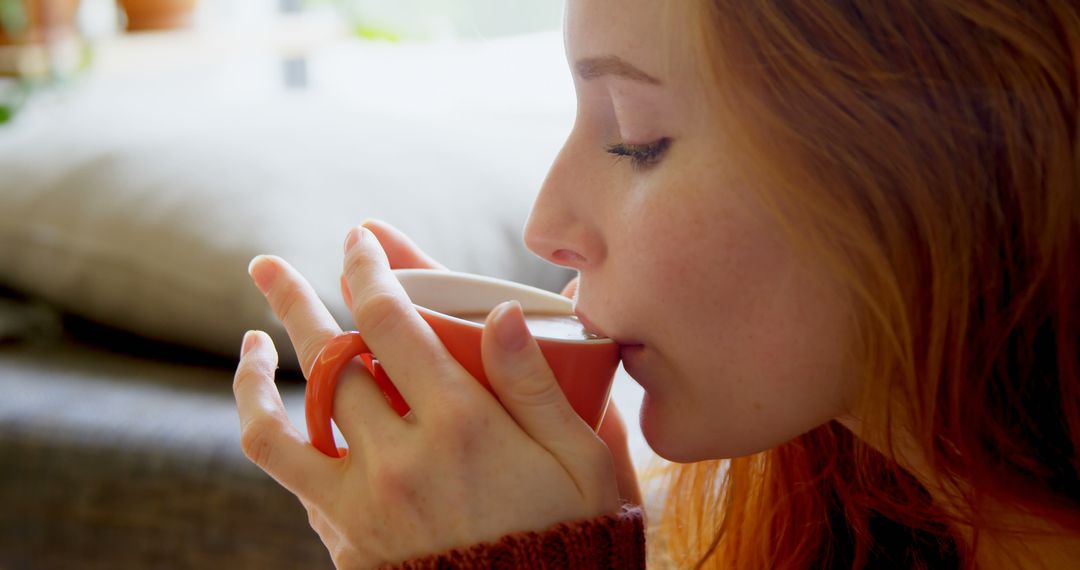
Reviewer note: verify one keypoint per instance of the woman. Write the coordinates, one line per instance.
(840, 246)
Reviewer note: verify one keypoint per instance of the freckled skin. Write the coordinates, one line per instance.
(744, 340)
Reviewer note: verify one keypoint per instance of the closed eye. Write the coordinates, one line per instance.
(642, 156)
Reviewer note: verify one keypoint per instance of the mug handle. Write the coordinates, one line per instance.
(319, 395)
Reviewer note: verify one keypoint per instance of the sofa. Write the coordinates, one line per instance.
(130, 204)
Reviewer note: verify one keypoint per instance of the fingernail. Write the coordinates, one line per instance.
(510, 330)
(352, 239)
(250, 340)
(262, 272)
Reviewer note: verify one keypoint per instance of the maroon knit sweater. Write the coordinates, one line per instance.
(612, 541)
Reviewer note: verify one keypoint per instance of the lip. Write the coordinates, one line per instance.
(592, 328)
(631, 352)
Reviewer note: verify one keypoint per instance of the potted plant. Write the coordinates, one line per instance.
(36, 39)
(158, 14)
(24, 22)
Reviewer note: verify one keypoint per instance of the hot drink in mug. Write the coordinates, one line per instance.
(456, 305)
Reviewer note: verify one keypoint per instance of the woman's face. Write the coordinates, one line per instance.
(740, 343)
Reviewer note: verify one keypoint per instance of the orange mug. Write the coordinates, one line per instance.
(584, 368)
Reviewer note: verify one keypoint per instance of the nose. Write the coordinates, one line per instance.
(563, 226)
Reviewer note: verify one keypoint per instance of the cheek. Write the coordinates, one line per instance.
(750, 342)
(697, 269)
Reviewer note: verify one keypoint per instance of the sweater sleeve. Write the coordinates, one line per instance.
(613, 541)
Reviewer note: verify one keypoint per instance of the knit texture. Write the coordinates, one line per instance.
(612, 541)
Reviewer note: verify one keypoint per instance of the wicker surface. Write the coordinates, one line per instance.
(117, 461)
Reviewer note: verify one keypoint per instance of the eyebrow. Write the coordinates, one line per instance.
(593, 67)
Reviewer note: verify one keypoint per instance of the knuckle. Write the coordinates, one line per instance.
(461, 429)
(456, 412)
(319, 523)
(257, 440)
(287, 299)
(381, 310)
(356, 263)
(537, 390)
(309, 348)
(464, 429)
(542, 393)
(248, 373)
(394, 479)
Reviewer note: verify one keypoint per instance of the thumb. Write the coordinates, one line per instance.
(524, 383)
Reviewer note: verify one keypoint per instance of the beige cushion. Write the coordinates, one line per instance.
(138, 204)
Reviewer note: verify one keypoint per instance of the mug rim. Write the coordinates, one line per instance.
(472, 277)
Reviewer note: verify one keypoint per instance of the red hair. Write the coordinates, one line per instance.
(928, 154)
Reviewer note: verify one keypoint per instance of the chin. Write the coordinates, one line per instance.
(667, 434)
(682, 437)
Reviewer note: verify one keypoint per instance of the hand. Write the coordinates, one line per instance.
(461, 469)
(404, 254)
(613, 433)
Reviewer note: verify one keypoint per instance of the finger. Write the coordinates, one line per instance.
(400, 250)
(267, 437)
(345, 294)
(296, 305)
(358, 404)
(525, 385)
(360, 407)
(613, 433)
(414, 358)
(571, 288)
(362, 412)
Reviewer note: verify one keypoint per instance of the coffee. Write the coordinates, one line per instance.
(547, 325)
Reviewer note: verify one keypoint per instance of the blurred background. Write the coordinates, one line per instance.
(148, 150)
(49, 42)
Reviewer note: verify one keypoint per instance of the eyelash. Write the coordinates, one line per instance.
(642, 156)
